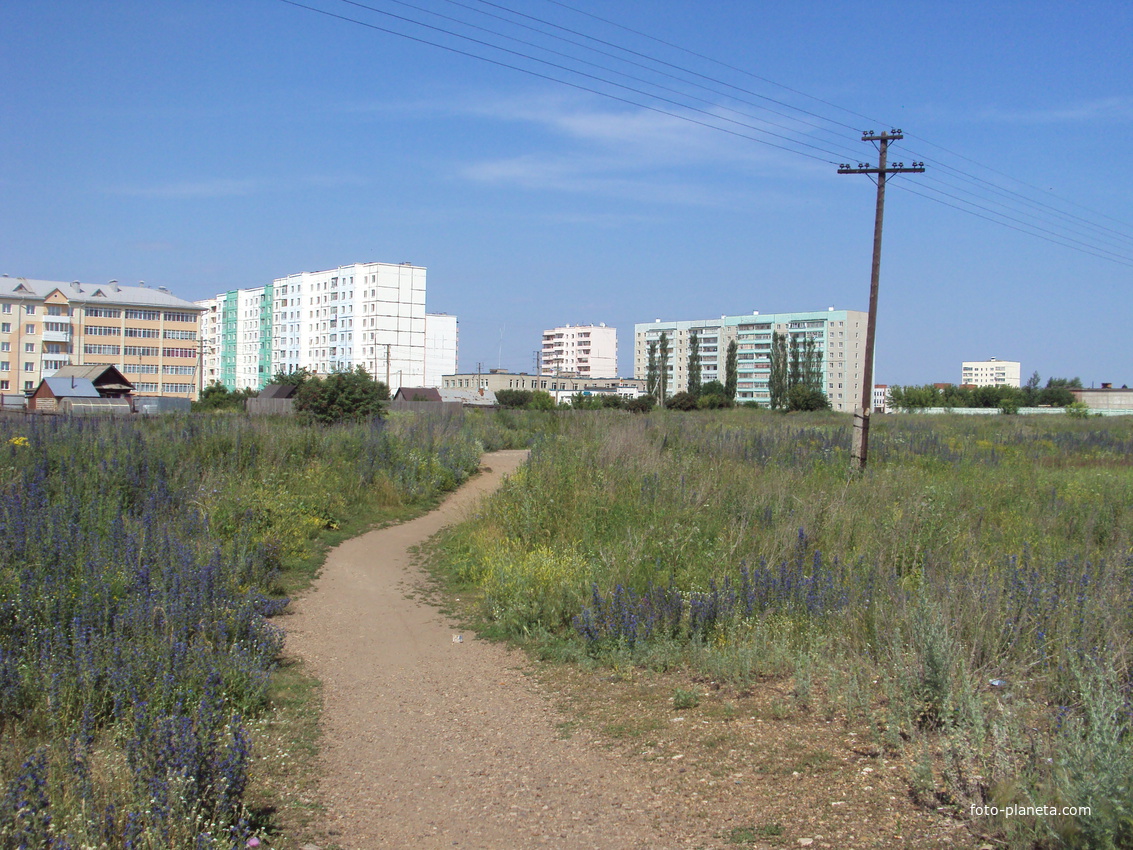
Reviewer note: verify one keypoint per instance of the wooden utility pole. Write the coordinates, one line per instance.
(859, 449)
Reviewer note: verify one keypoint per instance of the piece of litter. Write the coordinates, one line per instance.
(458, 638)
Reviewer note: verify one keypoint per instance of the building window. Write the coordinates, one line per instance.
(7, 309)
(4, 385)
(6, 327)
(29, 366)
(30, 309)
(143, 315)
(28, 386)
(103, 313)
(29, 330)
(29, 348)
(5, 366)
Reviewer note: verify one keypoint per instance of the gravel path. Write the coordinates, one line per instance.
(429, 742)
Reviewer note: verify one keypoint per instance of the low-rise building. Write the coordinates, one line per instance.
(560, 387)
(147, 333)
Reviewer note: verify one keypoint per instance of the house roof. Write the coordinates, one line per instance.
(417, 394)
(91, 293)
(71, 387)
(101, 375)
(278, 391)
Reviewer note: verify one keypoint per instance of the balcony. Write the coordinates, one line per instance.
(57, 336)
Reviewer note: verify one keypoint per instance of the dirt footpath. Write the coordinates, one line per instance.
(430, 742)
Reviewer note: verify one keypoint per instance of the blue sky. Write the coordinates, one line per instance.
(206, 146)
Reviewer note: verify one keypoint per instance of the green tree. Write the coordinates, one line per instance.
(802, 397)
(812, 364)
(541, 400)
(915, 397)
(651, 381)
(694, 364)
(681, 401)
(795, 370)
(731, 370)
(513, 399)
(641, 404)
(777, 381)
(216, 396)
(348, 396)
(663, 358)
(296, 378)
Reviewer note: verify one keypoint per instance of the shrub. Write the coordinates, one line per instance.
(800, 397)
(513, 399)
(1078, 410)
(351, 396)
(641, 404)
(681, 401)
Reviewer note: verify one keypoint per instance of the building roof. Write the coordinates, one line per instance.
(417, 394)
(71, 387)
(278, 391)
(103, 376)
(90, 293)
(469, 398)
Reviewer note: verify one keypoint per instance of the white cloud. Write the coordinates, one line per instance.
(632, 153)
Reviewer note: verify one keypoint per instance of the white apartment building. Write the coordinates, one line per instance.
(838, 334)
(441, 347)
(990, 373)
(365, 314)
(589, 351)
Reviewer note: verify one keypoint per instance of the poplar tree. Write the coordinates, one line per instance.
(730, 370)
(651, 370)
(777, 380)
(663, 382)
(694, 364)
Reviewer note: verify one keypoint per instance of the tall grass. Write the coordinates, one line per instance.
(138, 576)
(970, 595)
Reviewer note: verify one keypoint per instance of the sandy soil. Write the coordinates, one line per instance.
(430, 741)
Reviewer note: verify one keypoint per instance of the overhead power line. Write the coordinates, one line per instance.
(671, 88)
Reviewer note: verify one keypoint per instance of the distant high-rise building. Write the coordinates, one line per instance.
(589, 351)
(839, 335)
(365, 314)
(441, 347)
(990, 373)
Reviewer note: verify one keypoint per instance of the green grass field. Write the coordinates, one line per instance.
(968, 596)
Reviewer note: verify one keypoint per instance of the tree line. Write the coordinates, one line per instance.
(1056, 393)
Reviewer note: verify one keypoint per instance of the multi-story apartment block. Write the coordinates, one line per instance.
(150, 335)
(589, 351)
(236, 335)
(366, 314)
(839, 335)
(441, 347)
(990, 373)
